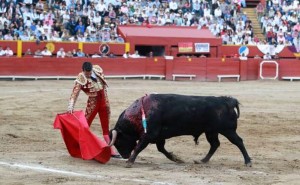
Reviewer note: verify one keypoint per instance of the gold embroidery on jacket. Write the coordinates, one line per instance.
(89, 86)
(75, 94)
(81, 79)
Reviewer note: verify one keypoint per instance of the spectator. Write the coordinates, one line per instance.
(28, 52)
(101, 8)
(296, 42)
(38, 53)
(267, 56)
(61, 53)
(276, 56)
(57, 28)
(79, 53)
(69, 54)
(150, 54)
(2, 52)
(270, 36)
(8, 52)
(89, 38)
(39, 6)
(243, 57)
(111, 55)
(25, 36)
(80, 28)
(43, 37)
(126, 55)
(257, 57)
(260, 9)
(135, 55)
(74, 53)
(46, 52)
(96, 55)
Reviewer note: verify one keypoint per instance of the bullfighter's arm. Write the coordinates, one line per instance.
(74, 96)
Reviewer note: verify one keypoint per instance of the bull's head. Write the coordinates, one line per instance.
(124, 143)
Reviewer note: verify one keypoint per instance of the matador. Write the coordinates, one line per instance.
(92, 82)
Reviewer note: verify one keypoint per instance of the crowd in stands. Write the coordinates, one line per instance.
(280, 22)
(97, 20)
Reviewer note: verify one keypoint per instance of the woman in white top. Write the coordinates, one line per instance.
(8, 52)
(34, 15)
(91, 16)
(66, 17)
(3, 8)
(91, 29)
(40, 5)
(97, 19)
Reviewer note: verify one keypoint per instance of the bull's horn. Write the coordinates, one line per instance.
(114, 137)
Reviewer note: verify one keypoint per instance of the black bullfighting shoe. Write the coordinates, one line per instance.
(116, 156)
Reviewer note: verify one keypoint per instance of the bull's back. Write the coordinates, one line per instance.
(189, 115)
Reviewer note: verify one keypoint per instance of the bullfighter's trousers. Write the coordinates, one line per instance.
(99, 105)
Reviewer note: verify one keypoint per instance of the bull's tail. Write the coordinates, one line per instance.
(233, 103)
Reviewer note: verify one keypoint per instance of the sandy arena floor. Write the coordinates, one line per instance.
(32, 152)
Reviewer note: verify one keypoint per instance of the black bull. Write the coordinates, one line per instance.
(171, 115)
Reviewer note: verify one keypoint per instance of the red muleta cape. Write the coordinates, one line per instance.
(79, 140)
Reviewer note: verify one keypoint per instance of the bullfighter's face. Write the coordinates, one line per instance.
(87, 74)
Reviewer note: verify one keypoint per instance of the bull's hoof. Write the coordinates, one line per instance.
(176, 159)
(249, 164)
(128, 164)
(200, 161)
(204, 160)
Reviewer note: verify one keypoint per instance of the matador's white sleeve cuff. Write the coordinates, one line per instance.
(71, 105)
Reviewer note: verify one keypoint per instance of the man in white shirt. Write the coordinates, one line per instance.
(267, 56)
(101, 7)
(243, 57)
(135, 55)
(173, 6)
(161, 20)
(46, 52)
(126, 55)
(218, 12)
(61, 53)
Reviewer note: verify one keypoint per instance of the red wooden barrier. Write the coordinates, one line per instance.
(205, 69)
(217, 67)
(268, 70)
(155, 66)
(193, 66)
(289, 68)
